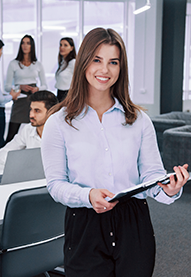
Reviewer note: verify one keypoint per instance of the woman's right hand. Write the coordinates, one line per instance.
(14, 94)
(25, 88)
(97, 199)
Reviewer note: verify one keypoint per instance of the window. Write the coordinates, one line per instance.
(103, 14)
(59, 19)
(18, 20)
(187, 56)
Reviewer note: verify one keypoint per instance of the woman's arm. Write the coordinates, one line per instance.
(54, 159)
(150, 167)
(9, 77)
(4, 98)
(43, 84)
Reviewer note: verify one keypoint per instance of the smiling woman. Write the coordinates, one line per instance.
(97, 144)
(101, 75)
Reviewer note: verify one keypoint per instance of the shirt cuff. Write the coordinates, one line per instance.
(85, 198)
(162, 197)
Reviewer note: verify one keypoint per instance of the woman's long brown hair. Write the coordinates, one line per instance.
(76, 99)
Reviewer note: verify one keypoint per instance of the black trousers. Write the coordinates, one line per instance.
(12, 131)
(117, 243)
(2, 126)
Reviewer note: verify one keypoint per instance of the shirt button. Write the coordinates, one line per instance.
(113, 243)
(101, 128)
(106, 149)
(111, 234)
(110, 174)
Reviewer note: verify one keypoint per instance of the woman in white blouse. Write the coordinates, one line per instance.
(23, 71)
(66, 62)
(3, 100)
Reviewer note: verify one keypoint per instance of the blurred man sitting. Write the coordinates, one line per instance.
(28, 136)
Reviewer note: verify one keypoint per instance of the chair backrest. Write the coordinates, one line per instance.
(32, 237)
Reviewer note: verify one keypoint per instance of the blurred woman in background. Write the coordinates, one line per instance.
(23, 71)
(66, 62)
(3, 100)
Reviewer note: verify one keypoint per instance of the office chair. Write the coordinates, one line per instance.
(32, 234)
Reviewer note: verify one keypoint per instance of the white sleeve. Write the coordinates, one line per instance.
(56, 170)
(4, 98)
(43, 84)
(9, 77)
(150, 164)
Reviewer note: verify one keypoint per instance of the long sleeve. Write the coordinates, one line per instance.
(9, 77)
(55, 165)
(43, 84)
(25, 75)
(98, 154)
(150, 164)
(4, 99)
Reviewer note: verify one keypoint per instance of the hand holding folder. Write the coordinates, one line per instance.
(125, 194)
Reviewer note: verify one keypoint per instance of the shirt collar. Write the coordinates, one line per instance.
(116, 105)
(33, 132)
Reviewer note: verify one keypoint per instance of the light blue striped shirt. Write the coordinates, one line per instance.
(98, 154)
(4, 99)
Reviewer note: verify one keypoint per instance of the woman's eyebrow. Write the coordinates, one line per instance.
(110, 59)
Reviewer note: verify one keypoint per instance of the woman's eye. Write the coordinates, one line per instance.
(113, 62)
(96, 60)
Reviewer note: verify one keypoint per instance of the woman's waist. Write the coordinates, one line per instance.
(28, 92)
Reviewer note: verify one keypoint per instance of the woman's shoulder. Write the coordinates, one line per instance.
(58, 116)
(37, 63)
(72, 62)
(13, 63)
(142, 116)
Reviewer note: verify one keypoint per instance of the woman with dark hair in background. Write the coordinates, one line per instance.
(96, 144)
(23, 71)
(66, 62)
(3, 100)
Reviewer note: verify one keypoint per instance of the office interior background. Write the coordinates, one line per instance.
(158, 42)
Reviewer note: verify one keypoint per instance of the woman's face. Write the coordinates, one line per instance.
(65, 48)
(104, 70)
(26, 45)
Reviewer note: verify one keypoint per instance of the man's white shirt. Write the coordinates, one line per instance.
(27, 137)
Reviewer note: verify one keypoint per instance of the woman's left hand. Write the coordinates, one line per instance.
(34, 89)
(174, 186)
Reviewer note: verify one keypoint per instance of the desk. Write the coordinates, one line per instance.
(7, 190)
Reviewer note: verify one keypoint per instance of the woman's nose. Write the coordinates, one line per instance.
(104, 68)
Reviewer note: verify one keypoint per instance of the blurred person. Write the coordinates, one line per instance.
(3, 100)
(24, 72)
(66, 63)
(96, 143)
(28, 136)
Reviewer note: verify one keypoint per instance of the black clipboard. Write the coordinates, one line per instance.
(126, 194)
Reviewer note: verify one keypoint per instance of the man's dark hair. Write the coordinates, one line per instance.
(45, 96)
(1, 44)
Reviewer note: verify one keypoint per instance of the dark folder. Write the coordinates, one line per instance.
(126, 194)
